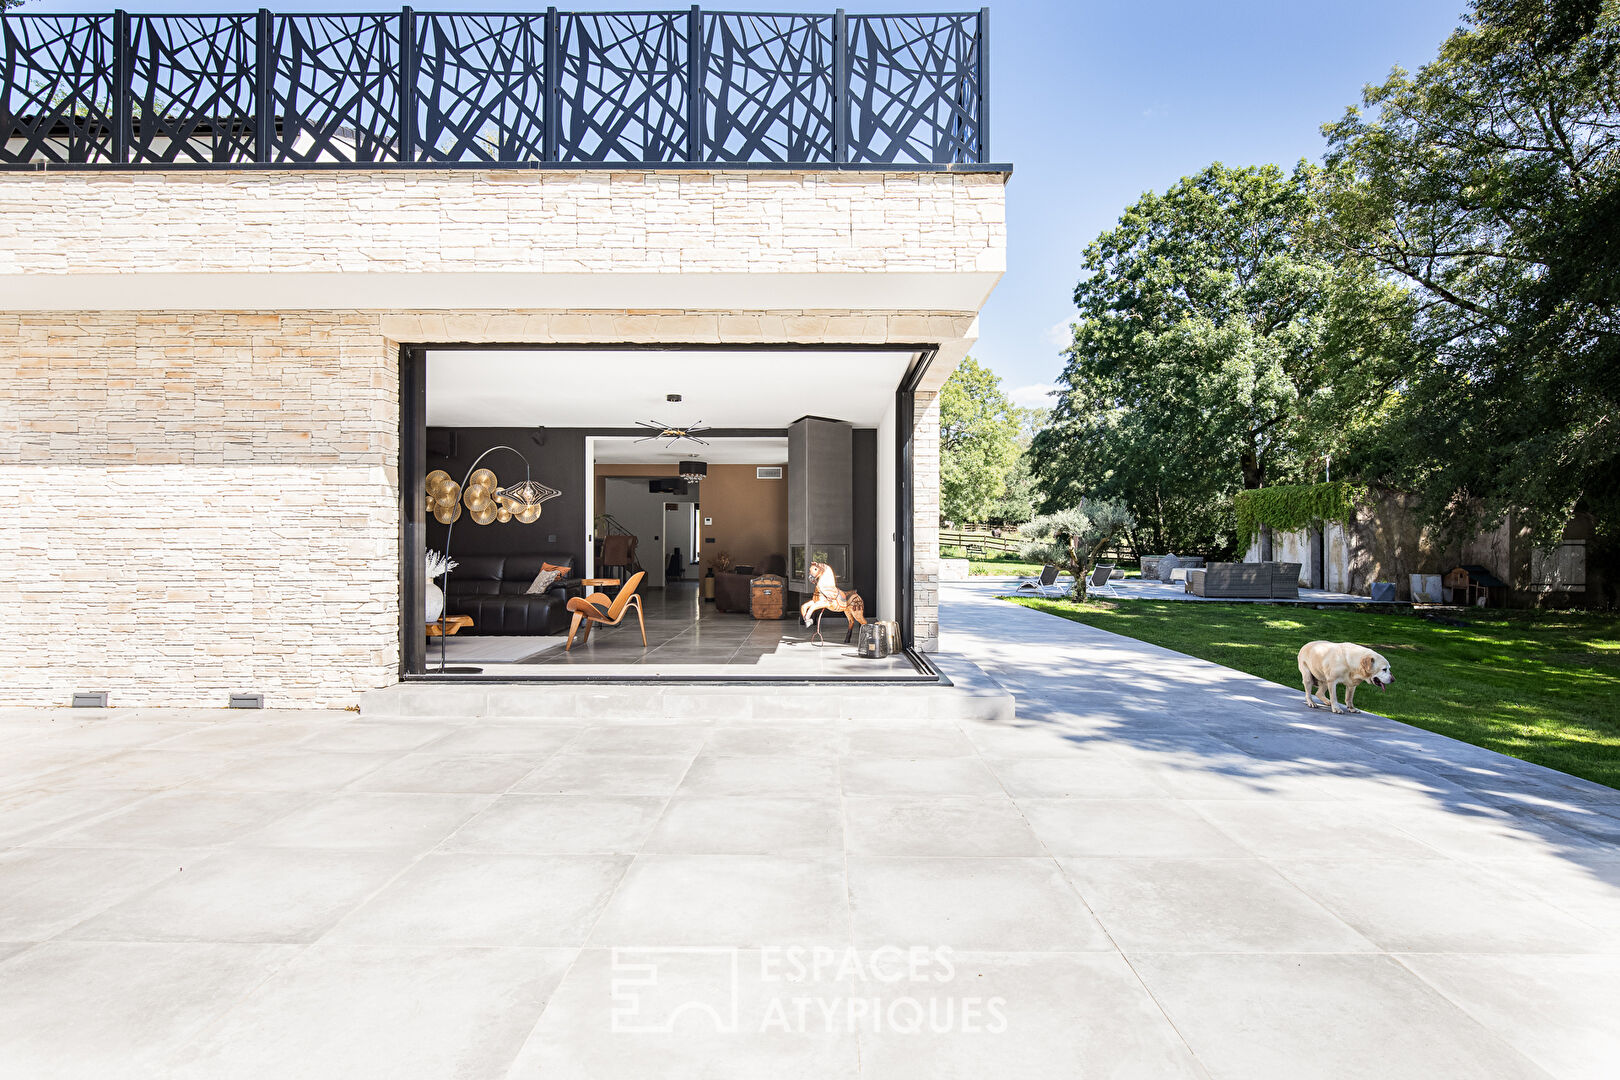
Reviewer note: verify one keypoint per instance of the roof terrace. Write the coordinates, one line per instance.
(549, 89)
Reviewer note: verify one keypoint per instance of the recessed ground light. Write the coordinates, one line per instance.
(247, 701)
(672, 397)
(90, 699)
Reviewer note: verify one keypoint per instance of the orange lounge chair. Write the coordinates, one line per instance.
(596, 608)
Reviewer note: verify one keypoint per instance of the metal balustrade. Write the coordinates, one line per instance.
(415, 88)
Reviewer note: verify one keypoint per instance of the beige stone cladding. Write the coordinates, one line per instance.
(202, 503)
(208, 502)
(493, 221)
(925, 520)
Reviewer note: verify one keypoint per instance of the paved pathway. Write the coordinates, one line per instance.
(1161, 869)
(1304, 894)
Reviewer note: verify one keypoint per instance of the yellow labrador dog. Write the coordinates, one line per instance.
(1325, 665)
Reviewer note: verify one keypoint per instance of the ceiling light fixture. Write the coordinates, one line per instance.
(673, 433)
(694, 470)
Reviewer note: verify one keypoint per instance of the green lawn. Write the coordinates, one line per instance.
(1005, 565)
(1542, 686)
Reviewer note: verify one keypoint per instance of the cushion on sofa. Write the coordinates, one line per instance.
(545, 579)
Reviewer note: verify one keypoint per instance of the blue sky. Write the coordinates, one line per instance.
(1096, 102)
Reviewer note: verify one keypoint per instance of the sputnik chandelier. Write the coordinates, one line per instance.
(673, 433)
(485, 499)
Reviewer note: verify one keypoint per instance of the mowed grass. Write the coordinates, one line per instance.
(1542, 686)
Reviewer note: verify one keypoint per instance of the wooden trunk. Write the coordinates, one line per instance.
(766, 596)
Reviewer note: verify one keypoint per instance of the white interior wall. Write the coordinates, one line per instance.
(886, 605)
(678, 532)
(642, 512)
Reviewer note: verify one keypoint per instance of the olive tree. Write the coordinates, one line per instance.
(1073, 538)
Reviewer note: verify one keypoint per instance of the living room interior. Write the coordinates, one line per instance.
(686, 504)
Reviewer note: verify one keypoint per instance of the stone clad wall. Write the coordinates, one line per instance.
(208, 502)
(488, 221)
(925, 520)
(201, 503)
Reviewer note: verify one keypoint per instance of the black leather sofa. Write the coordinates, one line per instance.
(493, 589)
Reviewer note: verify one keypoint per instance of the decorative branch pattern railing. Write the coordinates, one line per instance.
(434, 88)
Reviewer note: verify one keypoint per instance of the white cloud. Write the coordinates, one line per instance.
(1033, 396)
(1060, 335)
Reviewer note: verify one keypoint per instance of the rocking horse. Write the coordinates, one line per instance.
(827, 596)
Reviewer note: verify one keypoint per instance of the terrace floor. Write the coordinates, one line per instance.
(686, 637)
(1139, 589)
(1161, 868)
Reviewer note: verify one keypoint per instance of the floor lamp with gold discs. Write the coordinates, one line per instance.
(486, 501)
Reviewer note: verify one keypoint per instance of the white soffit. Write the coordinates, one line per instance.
(611, 388)
(616, 451)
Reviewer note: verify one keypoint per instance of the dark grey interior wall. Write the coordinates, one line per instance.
(559, 463)
(820, 468)
(863, 495)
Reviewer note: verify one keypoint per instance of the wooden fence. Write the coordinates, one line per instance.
(981, 541)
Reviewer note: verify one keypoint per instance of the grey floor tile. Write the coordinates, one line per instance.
(702, 1014)
(1429, 906)
(1029, 1015)
(408, 1013)
(1133, 828)
(363, 736)
(33, 813)
(490, 900)
(956, 826)
(371, 821)
(986, 904)
(264, 896)
(1587, 888)
(574, 773)
(1292, 1017)
(807, 740)
(46, 890)
(114, 1009)
(780, 775)
(1206, 905)
(742, 900)
(182, 819)
(1082, 777)
(891, 776)
(555, 824)
(1558, 1011)
(748, 825)
(889, 741)
(450, 773)
(295, 770)
(638, 739)
(536, 740)
(1311, 830)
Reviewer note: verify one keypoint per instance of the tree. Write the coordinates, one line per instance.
(1489, 184)
(1215, 337)
(1073, 538)
(1022, 495)
(978, 446)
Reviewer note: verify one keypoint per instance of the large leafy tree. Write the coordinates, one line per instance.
(1219, 347)
(978, 442)
(1489, 183)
